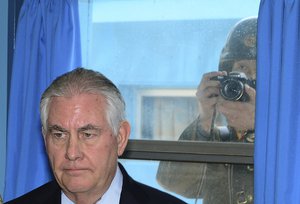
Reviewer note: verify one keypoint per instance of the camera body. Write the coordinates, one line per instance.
(233, 86)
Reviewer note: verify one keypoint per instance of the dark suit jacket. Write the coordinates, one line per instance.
(133, 192)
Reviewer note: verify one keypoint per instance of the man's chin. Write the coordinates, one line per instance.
(76, 183)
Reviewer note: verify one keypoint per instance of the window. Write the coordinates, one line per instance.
(157, 44)
(157, 53)
(162, 114)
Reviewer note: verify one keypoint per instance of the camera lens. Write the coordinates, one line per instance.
(232, 89)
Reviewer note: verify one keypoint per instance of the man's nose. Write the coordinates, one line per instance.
(73, 151)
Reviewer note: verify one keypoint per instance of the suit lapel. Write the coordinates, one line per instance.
(130, 192)
(51, 194)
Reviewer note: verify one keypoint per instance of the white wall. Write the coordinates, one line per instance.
(3, 88)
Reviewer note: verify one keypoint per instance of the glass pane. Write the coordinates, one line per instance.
(157, 53)
(196, 182)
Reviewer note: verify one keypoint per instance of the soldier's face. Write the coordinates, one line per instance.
(248, 67)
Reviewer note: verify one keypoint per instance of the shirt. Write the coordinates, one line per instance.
(111, 196)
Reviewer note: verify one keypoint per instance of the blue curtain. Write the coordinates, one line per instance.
(277, 143)
(47, 45)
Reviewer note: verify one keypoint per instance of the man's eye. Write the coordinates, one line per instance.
(88, 135)
(58, 135)
(243, 67)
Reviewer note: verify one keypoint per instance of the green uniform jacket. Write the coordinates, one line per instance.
(214, 183)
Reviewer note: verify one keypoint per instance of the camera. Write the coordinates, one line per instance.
(233, 86)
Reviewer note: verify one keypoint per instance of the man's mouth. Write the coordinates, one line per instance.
(75, 171)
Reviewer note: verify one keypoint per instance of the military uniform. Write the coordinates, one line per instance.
(214, 183)
(217, 183)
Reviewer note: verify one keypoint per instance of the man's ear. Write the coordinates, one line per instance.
(123, 136)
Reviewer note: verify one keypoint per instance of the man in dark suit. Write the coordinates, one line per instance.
(85, 131)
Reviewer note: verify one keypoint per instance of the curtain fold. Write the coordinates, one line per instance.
(47, 45)
(277, 143)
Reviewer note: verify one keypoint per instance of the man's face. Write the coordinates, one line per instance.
(248, 67)
(81, 146)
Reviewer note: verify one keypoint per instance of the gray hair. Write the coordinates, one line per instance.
(82, 80)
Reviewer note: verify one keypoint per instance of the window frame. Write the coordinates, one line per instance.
(187, 151)
(190, 151)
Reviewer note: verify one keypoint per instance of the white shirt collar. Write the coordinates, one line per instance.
(111, 196)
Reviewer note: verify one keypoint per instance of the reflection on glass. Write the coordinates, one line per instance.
(166, 46)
